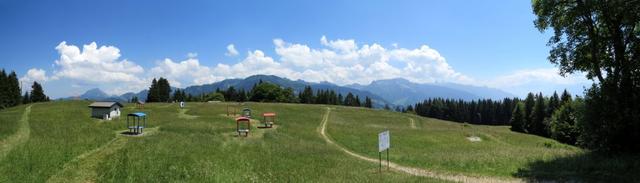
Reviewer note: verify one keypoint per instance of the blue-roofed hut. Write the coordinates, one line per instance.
(136, 122)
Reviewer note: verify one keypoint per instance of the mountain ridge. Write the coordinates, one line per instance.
(396, 91)
(400, 91)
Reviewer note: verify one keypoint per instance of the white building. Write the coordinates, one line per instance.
(105, 110)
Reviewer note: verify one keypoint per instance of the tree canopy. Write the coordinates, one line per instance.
(602, 39)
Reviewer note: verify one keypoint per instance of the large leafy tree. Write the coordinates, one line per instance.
(602, 39)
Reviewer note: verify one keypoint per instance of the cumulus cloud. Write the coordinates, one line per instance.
(184, 73)
(256, 62)
(35, 74)
(91, 66)
(94, 64)
(231, 50)
(343, 61)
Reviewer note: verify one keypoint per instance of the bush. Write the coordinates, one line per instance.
(215, 97)
(564, 122)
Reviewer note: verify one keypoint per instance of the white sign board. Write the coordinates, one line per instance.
(383, 141)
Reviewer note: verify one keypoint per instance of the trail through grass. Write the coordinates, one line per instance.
(405, 169)
(182, 113)
(413, 123)
(20, 137)
(83, 168)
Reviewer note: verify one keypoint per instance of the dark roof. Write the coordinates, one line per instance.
(104, 104)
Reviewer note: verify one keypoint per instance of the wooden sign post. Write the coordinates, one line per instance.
(384, 142)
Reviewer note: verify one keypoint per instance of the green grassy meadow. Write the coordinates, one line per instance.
(199, 144)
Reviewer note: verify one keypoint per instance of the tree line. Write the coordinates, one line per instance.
(160, 91)
(483, 111)
(551, 116)
(10, 91)
(547, 116)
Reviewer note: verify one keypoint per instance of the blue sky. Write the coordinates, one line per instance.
(487, 43)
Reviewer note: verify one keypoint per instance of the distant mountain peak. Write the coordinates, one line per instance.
(92, 93)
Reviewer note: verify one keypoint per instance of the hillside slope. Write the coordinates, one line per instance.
(199, 144)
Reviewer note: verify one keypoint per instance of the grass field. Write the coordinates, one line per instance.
(58, 142)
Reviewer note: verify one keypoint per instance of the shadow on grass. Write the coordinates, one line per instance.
(128, 133)
(584, 167)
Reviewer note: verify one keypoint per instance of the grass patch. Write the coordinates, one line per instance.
(68, 146)
(443, 146)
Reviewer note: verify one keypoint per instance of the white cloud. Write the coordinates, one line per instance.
(231, 50)
(35, 74)
(544, 80)
(256, 62)
(184, 73)
(192, 55)
(93, 64)
(345, 62)
(528, 76)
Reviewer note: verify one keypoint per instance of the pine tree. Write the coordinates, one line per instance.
(349, 100)
(554, 103)
(566, 97)
(230, 94)
(306, 96)
(26, 98)
(517, 119)
(13, 93)
(37, 93)
(242, 96)
(4, 90)
(367, 102)
(537, 116)
(152, 95)
(410, 108)
(164, 92)
(529, 102)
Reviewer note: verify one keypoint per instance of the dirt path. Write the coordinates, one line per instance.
(413, 123)
(83, 168)
(182, 113)
(405, 169)
(21, 136)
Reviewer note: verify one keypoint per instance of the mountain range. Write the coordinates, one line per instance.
(403, 92)
(391, 91)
